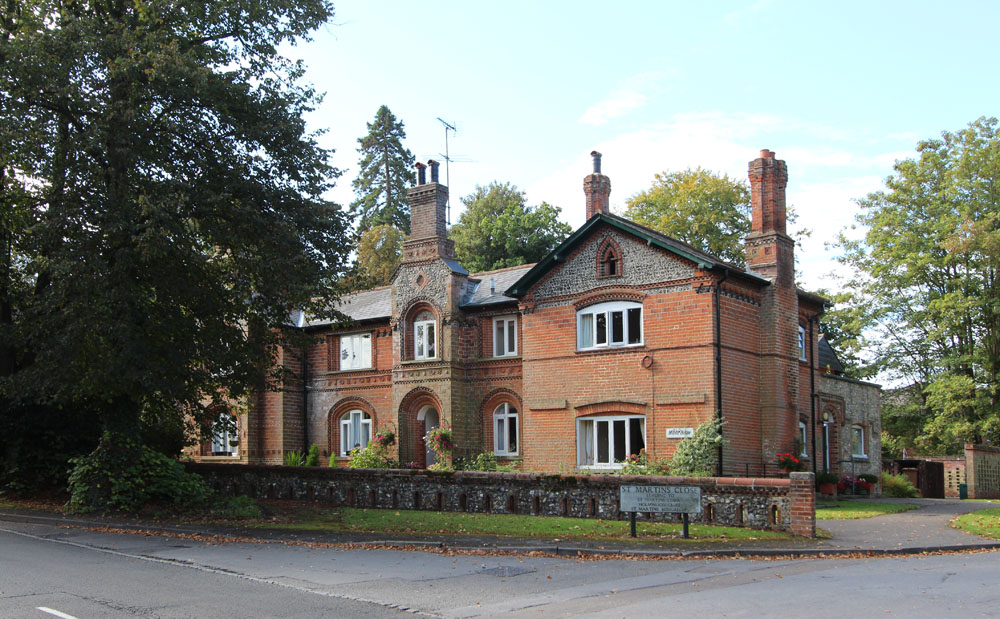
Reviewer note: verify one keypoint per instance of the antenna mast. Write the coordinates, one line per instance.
(447, 161)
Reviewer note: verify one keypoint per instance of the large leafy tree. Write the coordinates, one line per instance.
(162, 210)
(704, 209)
(379, 252)
(498, 229)
(926, 282)
(386, 168)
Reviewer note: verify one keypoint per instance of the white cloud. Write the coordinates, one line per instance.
(613, 107)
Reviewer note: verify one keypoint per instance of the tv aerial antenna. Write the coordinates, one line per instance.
(447, 161)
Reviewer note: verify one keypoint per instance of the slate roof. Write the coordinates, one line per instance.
(828, 356)
(502, 280)
(366, 305)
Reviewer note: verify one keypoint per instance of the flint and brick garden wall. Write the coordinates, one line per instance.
(776, 504)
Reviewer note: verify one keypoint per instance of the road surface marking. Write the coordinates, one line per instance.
(57, 613)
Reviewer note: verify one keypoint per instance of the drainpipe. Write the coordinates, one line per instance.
(812, 392)
(718, 361)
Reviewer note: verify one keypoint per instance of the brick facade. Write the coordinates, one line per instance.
(619, 335)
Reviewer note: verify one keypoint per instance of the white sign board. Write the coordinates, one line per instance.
(668, 499)
(680, 432)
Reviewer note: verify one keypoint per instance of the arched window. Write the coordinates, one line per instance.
(505, 429)
(355, 431)
(225, 435)
(610, 261)
(618, 323)
(424, 336)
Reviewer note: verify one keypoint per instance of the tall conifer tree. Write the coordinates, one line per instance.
(386, 170)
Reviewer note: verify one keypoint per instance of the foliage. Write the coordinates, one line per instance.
(295, 458)
(162, 209)
(868, 477)
(898, 486)
(236, 508)
(379, 251)
(385, 169)
(112, 478)
(641, 464)
(788, 462)
(697, 455)
(498, 229)
(440, 441)
(701, 208)
(375, 455)
(312, 458)
(984, 522)
(37, 441)
(851, 483)
(925, 283)
(485, 461)
(827, 477)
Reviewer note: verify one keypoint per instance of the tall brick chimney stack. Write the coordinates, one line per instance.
(428, 217)
(769, 250)
(770, 253)
(597, 188)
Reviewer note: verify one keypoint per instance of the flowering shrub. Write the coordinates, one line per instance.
(788, 462)
(384, 438)
(439, 441)
(376, 454)
(849, 483)
(641, 464)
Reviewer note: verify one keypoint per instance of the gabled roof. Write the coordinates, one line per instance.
(558, 255)
(502, 280)
(828, 356)
(365, 305)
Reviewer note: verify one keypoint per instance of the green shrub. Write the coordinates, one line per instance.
(313, 458)
(295, 458)
(124, 476)
(696, 455)
(641, 465)
(868, 477)
(376, 454)
(827, 478)
(898, 486)
(485, 461)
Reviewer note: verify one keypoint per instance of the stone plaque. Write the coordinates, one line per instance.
(669, 499)
(680, 432)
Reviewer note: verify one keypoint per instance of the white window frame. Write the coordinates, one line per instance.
(802, 343)
(223, 439)
(588, 449)
(355, 351)
(355, 429)
(503, 415)
(505, 346)
(858, 440)
(803, 437)
(425, 344)
(589, 329)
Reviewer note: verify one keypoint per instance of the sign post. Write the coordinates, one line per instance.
(682, 500)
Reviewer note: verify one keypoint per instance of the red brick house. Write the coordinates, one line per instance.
(621, 339)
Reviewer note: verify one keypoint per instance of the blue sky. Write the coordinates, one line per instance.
(839, 91)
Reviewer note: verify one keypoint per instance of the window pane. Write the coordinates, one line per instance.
(511, 336)
(512, 434)
(585, 443)
(620, 440)
(603, 451)
(636, 431)
(366, 350)
(345, 437)
(634, 325)
(430, 341)
(498, 345)
(602, 328)
(617, 328)
(586, 330)
(500, 438)
(345, 352)
(419, 342)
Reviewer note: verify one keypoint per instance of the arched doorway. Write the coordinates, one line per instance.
(430, 418)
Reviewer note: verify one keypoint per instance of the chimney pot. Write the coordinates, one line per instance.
(434, 170)
(597, 161)
(421, 174)
(766, 154)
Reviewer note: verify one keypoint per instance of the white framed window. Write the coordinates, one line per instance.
(858, 442)
(355, 431)
(803, 437)
(356, 351)
(605, 442)
(505, 429)
(618, 323)
(424, 336)
(802, 343)
(225, 436)
(505, 336)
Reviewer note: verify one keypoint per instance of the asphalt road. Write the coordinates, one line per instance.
(84, 574)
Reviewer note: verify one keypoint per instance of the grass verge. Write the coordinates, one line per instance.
(352, 520)
(984, 522)
(851, 510)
